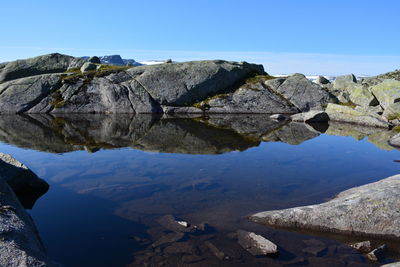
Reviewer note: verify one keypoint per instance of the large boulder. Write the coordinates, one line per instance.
(189, 82)
(23, 94)
(387, 92)
(350, 90)
(250, 98)
(304, 94)
(20, 244)
(313, 116)
(114, 93)
(51, 63)
(365, 210)
(343, 113)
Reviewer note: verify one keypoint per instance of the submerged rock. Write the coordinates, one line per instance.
(365, 210)
(364, 246)
(377, 253)
(256, 244)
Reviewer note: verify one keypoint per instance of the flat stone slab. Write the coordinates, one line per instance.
(370, 210)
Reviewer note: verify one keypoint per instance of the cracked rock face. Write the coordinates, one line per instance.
(370, 210)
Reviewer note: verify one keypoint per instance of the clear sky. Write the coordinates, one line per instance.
(308, 36)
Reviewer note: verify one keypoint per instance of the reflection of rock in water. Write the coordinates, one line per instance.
(293, 133)
(214, 134)
(25, 184)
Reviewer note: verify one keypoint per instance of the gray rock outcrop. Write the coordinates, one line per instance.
(51, 63)
(20, 244)
(304, 94)
(366, 210)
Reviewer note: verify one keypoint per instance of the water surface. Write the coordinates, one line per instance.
(112, 177)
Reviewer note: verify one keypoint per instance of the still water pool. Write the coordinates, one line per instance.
(112, 177)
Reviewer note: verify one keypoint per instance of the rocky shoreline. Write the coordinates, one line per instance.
(61, 84)
(20, 244)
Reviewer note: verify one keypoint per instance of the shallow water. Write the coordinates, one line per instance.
(112, 177)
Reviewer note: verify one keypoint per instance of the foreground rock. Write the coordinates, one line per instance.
(25, 184)
(20, 244)
(256, 244)
(365, 210)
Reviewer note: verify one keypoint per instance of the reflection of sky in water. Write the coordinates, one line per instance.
(76, 217)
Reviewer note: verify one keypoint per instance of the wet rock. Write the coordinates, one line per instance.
(256, 244)
(377, 253)
(278, 117)
(168, 238)
(363, 247)
(293, 133)
(395, 141)
(169, 222)
(182, 248)
(192, 258)
(364, 210)
(317, 251)
(181, 110)
(216, 251)
(393, 264)
(311, 116)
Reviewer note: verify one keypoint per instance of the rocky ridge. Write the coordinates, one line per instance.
(58, 83)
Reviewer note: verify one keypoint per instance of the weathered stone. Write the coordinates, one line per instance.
(181, 110)
(168, 239)
(311, 116)
(20, 244)
(317, 251)
(256, 244)
(393, 264)
(363, 247)
(216, 251)
(395, 141)
(344, 113)
(364, 210)
(185, 83)
(342, 82)
(377, 253)
(88, 67)
(273, 84)
(392, 111)
(304, 94)
(251, 98)
(23, 94)
(51, 63)
(387, 92)
(94, 60)
(360, 95)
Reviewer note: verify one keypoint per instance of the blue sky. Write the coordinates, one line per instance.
(308, 36)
